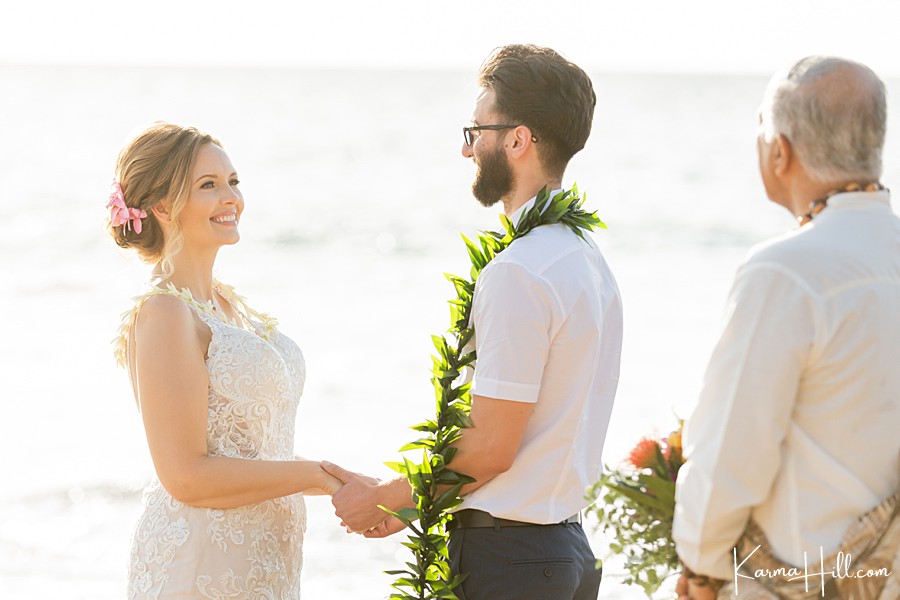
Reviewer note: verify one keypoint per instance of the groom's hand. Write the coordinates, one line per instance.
(356, 504)
(389, 526)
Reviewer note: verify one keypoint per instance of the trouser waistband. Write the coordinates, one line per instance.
(471, 517)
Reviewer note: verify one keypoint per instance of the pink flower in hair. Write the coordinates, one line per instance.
(122, 214)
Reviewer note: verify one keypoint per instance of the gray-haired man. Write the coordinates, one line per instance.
(795, 435)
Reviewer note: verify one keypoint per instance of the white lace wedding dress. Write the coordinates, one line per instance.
(255, 551)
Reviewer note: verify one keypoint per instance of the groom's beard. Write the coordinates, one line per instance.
(493, 179)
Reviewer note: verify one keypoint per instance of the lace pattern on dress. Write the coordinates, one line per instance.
(255, 382)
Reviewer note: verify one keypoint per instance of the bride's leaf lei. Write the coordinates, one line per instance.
(435, 487)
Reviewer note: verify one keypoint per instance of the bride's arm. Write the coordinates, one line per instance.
(172, 384)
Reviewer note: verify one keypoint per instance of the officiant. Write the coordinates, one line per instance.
(792, 451)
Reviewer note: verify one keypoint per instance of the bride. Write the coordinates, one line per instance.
(216, 383)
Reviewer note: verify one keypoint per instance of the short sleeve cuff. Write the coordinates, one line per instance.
(504, 390)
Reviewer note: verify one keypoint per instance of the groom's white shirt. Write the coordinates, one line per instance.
(548, 321)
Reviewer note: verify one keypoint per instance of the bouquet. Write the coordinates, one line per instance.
(636, 506)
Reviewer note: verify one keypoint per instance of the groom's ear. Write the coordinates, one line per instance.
(519, 142)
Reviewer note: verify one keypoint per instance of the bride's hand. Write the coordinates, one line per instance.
(328, 485)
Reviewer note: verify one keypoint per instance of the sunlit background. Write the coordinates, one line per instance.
(343, 120)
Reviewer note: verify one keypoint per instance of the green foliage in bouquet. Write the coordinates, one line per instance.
(636, 506)
(435, 487)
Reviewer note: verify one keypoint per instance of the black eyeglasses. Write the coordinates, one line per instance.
(470, 139)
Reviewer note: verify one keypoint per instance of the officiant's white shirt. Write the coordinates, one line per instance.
(548, 322)
(798, 422)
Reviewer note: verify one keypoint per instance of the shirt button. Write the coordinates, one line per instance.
(548, 572)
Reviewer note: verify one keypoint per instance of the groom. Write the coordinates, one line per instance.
(548, 322)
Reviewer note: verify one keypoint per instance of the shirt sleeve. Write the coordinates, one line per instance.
(513, 316)
(732, 441)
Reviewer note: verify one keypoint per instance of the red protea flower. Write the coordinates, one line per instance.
(644, 454)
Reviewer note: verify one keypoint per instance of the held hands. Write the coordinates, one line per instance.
(356, 504)
(327, 484)
(389, 526)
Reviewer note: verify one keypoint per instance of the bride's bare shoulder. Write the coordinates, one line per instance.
(163, 310)
(166, 321)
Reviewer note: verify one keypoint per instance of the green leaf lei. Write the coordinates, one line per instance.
(435, 487)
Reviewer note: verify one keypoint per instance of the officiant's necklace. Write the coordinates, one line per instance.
(429, 576)
(819, 204)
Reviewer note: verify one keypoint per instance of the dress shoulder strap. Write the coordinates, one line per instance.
(268, 323)
(266, 330)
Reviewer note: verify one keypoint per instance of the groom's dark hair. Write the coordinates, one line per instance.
(538, 88)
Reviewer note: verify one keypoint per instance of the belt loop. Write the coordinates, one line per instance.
(496, 524)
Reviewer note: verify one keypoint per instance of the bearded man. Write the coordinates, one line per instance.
(548, 335)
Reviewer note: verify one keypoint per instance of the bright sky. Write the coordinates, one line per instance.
(726, 36)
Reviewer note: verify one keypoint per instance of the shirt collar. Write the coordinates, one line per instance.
(860, 199)
(517, 216)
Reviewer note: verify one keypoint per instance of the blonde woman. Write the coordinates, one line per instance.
(216, 383)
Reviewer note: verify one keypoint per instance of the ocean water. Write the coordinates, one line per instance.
(356, 193)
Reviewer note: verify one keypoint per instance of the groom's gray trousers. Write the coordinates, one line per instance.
(533, 562)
